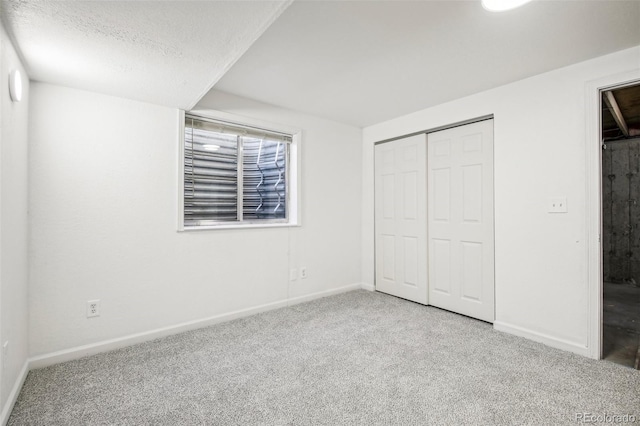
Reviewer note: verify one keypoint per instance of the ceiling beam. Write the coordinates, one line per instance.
(610, 100)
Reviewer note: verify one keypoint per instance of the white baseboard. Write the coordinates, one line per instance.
(15, 391)
(368, 287)
(52, 358)
(321, 294)
(554, 342)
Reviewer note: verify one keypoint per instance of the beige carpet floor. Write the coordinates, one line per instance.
(358, 358)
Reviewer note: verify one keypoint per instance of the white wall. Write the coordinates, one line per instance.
(13, 225)
(103, 176)
(540, 258)
(329, 241)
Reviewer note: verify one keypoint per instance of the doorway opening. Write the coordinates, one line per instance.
(620, 135)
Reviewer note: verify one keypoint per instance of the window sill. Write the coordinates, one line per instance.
(237, 226)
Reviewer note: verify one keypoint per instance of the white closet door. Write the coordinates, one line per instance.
(400, 218)
(461, 238)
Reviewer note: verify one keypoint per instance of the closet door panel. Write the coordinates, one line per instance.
(400, 218)
(460, 220)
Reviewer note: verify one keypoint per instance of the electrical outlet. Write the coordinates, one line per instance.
(303, 272)
(93, 308)
(293, 274)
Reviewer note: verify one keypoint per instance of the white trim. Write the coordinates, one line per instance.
(180, 177)
(132, 339)
(295, 179)
(15, 391)
(368, 287)
(321, 294)
(243, 121)
(237, 226)
(594, 204)
(554, 342)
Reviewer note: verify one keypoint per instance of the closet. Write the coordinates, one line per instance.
(434, 233)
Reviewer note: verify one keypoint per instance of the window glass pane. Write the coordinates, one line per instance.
(210, 175)
(264, 182)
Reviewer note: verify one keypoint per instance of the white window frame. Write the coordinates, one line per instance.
(293, 177)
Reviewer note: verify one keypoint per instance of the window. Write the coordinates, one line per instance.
(235, 175)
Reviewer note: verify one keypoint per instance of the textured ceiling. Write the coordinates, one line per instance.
(164, 52)
(364, 62)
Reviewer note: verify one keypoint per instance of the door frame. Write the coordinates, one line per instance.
(593, 200)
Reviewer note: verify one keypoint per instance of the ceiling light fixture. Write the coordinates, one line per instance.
(15, 85)
(501, 5)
